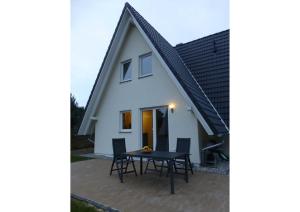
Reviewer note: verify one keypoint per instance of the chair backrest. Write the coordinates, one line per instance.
(162, 144)
(183, 145)
(119, 146)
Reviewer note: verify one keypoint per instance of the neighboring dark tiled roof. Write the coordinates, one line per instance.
(182, 73)
(208, 60)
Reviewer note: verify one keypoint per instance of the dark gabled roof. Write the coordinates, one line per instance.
(182, 74)
(208, 60)
(180, 71)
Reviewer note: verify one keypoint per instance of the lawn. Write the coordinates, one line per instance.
(79, 206)
(75, 158)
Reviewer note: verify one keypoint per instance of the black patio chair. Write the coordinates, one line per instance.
(162, 145)
(119, 147)
(183, 146)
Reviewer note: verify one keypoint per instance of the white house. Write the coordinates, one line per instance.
(145, 91)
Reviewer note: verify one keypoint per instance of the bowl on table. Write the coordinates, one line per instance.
(146, 149)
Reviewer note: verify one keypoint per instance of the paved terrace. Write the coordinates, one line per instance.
(204, 192)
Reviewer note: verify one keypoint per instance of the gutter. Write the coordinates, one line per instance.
(213, 146)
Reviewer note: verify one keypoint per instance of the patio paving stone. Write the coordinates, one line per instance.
(204, 192)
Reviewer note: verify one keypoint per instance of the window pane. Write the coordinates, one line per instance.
(162, 132)
(126, 120)
(146, 65)
(147, 122)
(126, 71)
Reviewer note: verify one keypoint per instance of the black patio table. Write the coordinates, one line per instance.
(156, 155)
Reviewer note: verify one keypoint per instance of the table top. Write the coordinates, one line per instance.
(156, 154)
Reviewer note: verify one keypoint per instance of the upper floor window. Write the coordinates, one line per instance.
(126, 71)
(146, 65)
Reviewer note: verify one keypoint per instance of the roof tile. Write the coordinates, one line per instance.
(210, 68)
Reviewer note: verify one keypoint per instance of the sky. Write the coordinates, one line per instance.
(93, 23)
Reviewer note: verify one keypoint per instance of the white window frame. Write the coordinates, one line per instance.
(121, 122)
(140, 65)
(121, 70)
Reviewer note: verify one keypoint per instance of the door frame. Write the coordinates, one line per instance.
(153, 124)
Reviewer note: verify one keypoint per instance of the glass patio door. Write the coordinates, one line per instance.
(147, 128)
(155, 127)
(162, 129)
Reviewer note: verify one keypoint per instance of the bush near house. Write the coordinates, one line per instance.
(77, 142)
(80, 142)
(76, 115)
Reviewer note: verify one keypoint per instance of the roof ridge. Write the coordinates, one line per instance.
(181, 44)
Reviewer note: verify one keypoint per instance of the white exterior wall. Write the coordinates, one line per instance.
(152, 91)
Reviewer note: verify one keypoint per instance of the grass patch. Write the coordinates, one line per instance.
(75, 158)
(79, 206)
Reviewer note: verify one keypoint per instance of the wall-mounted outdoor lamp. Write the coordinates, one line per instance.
(172, 106)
